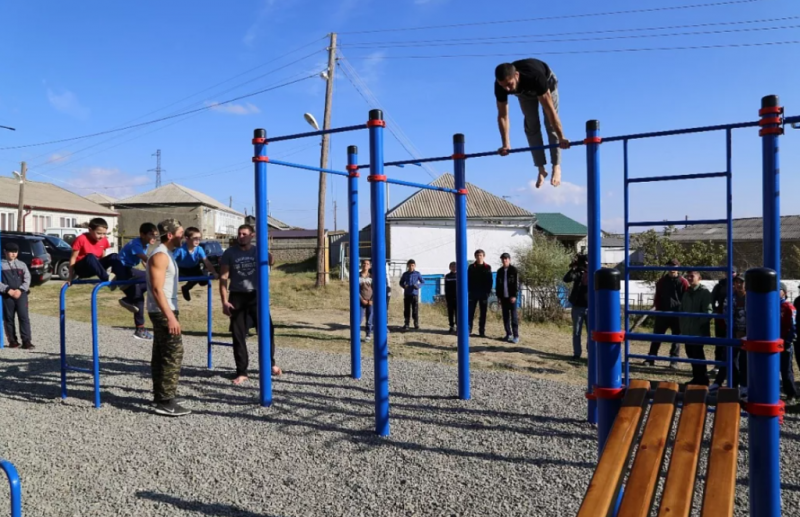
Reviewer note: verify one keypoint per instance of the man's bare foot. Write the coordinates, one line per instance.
(241, 379)
(276, 371)
(556, 179)
(542, 176)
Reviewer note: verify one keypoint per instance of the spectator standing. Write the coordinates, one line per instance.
(411, 282)
(365, 296)
(788, 335)
(507, 289)
(479, 286)
(15, 282)
(579, 299)
(451, 296)
(669, 293)
(697, 298)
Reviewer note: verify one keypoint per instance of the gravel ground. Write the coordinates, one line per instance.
(520, 447)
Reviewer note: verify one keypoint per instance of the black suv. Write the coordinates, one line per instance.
(32, 253)
(213, 251)
(60, 253)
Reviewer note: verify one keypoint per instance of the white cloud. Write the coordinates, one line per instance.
(234, 109)
(67, 102)
(254, 30)
(565, 194)
(112, 182)
(59, 157)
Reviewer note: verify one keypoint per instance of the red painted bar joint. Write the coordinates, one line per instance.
(459, 156)
(376, 123)
(590, 396)
(599, 336)
(259, 141)
(376, 177)
(763, 347)
(608, 393)
(593, 140)
(260, 159)
(463, 191)
(768, 410)
(353, 169)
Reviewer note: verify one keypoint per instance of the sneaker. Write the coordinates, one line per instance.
(648, 362)
(482, 334)
(13, 344)
(673, 365)
(405, 328)
(508, 338)
(128, 306)
(142, 333)
(171, 408)
(515, 340)
(112, 287)
(186, 294)
(452, 330)
(576, 357)
(368, 338)
(713, 372)
(28, 346)
(743, 392)
(177, 400)
(416, 327)
(713, 387)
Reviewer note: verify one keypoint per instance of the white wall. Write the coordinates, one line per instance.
(433, 247)
(227, 223)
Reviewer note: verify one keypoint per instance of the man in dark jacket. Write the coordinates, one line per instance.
(579, 299)
(719, 295)
(479, 285)
(451, 296)
(669, 291)
(507, 288)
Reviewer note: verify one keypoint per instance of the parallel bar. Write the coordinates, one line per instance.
(62, 316)
(677, 268)
(15, 487)
(96, 343)
(675, 359)
(627, 322)
(460, 205)
(209, 325)
(605, 301)
(318, 133)
(76, 369)
(262, 273)
(791, 120)
(657, 314)
(355, 270)
(594, 241)
(421, 185)
(221, 343)
(729, 242)
(702, 129)
(307, 167)
(693, 340)
(678, 177)
(678, 222)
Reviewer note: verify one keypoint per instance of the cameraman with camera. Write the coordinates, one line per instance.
(579, 299)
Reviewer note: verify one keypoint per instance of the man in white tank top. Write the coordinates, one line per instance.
(162, 308)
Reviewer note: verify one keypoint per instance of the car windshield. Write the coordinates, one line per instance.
(38, 248)
(213, 247)
(58, 243)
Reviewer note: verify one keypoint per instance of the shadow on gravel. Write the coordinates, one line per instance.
(202, 508)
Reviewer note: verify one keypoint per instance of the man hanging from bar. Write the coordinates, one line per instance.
(533, 83)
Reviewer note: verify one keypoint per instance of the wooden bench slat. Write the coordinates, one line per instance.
(718, 497)
(679, 488)
(641, 487)
(601, 496)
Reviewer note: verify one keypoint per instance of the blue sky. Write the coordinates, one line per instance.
(73, 69)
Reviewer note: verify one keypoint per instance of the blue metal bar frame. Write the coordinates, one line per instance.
(678, 268)
(627, 272)
(676, 359)
(321, 132)
(355, 269)
(262, 273)
(677, 177)
(594, 243)
(678, 314)
(421, 186)
(694, 340)
(462, 315)
(95, 370)
(15, 487)
(380, 322)
(609, 361)
(687, 222)
(729, 243)
(307, 167)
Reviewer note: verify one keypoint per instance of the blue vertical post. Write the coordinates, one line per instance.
(627, 262)
(763, 372)
(377, 181)
(608, 343)
(15, 487)
(262, 256)
(460, 172)
(771, 129)
(352, 221)
(210, 320)
(593, 219)
(96, 345)
(729, 244)
(62, 313)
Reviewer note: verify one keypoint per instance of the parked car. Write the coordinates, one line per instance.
(60, 253)
(66, 234)
(213, 251)
(32, 253)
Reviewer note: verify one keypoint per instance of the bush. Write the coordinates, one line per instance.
(542, 265)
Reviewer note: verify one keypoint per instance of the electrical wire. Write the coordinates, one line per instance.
(557, 17)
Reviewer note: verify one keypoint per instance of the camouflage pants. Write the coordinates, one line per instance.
(167, 358)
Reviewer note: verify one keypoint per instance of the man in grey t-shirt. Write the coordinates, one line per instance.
(238, 283)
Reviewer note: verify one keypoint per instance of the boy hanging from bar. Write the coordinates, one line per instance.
(131, 255)
(188, 258)
(15, 282)
(88, 255)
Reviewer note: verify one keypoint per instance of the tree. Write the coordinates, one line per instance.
(541, 267)
(656, 249)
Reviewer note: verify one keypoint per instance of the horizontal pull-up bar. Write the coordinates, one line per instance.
(686, 222)
(307, 167)
(720, 269)
(692, 340)
(316, 133)
(678, 314)
(422, 186)
(676, 177)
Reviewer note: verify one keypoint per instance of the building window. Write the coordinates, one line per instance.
(48, 222)
(3, 222)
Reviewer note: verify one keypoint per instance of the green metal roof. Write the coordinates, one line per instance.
(559, 224)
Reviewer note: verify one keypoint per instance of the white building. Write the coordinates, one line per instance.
(423, 227)
(47, 205)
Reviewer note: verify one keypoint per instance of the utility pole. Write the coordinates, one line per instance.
(230, 202)
(335, 226)
(322, 265)
(158, 170)
(21, 208)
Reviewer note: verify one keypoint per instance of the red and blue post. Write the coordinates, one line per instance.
(608, 339)
(352, 221)
(460, 172)
(377, 180)
(260, 160)
(593, 218)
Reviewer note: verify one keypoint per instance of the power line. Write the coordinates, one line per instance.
(162, 119)
(557, 17)
(593, 38)
(373, 44)
(606, 51)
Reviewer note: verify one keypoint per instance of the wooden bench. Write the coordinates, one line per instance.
(639, 494)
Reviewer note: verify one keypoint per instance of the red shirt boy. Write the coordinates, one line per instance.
(84, 245)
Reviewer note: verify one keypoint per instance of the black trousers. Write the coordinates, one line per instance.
(134, 293)
(699, 371)
(245, 305)
(452, 312)
(484, 305)
(187, 272)
(662, 324)
(787, 374)
(411, 309)
(510, 321)
(721, 354)
(18, 307)
(90, 266)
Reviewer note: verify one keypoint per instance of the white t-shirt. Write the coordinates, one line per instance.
(170, 282)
